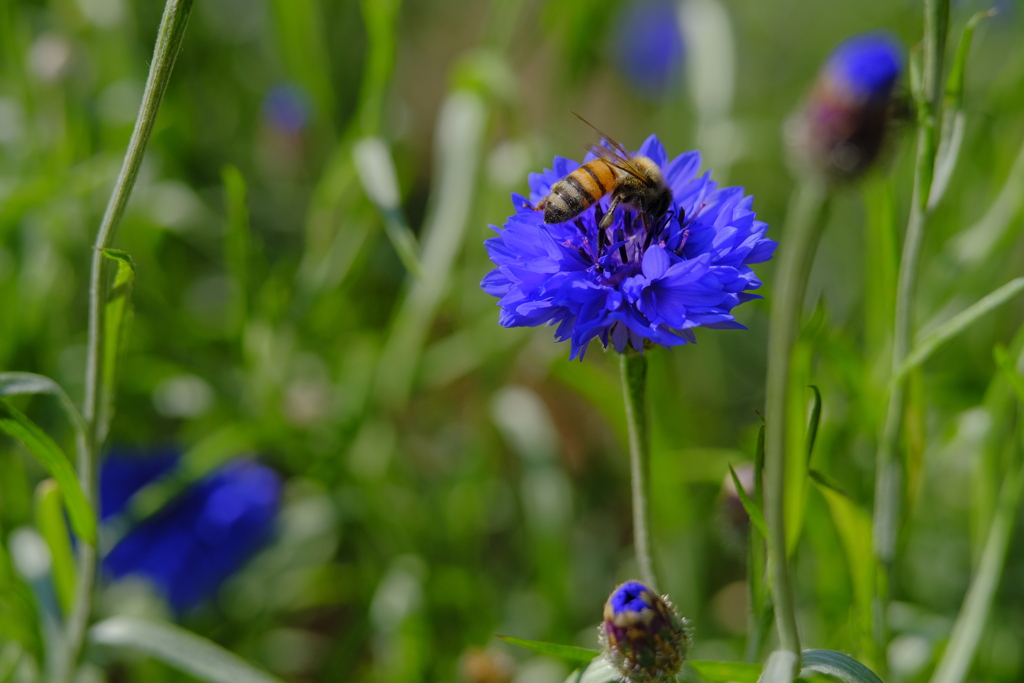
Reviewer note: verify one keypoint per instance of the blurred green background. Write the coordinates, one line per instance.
(449, 479)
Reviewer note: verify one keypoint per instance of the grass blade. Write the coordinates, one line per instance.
(843, 667)
(50, 522)
(376, 170)
(753, 511)
(568, 652)
(116, 318)
(973, 615)
(955, 325)
(50, 455)
(813, 422)
(179, 648)
(780, 667)
(954, 120)
(972, 246)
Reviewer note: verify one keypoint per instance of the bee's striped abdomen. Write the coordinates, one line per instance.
(579, 191)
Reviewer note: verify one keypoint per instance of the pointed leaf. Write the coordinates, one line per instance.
(380, 182)
(953, 121)
(54, 530)
(179, 648)
(569, 652)
(843, 667)
(813, 422)
(50, 455)
(753, 511)
(726, 672)
(18, 383)
(828, 482)
(115, 319)
(955, 325)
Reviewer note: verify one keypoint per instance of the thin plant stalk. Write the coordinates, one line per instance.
(634, 391)
(168, 43)
(796, 254)
(888, 482)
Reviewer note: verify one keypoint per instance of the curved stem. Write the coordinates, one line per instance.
(634, 391)
(168, 43)
(796, 253)
(889, 471)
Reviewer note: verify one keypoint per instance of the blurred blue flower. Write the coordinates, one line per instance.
(643, 636)
(842, 128)
(630, 284)
(865, 66)
(286, 109)
(648, 46)
(198, 539)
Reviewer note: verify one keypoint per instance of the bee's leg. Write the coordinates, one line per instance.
(607, 220)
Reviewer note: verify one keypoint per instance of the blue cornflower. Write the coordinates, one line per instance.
(648, 45)
(842, 128)
(643, 636)
(639, 279)
(201, 537)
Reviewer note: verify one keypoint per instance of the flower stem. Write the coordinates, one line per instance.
(796, 253)
(634, 390)
(168, 43)
(888, 475)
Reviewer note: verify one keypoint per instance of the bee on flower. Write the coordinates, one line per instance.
(630, 269)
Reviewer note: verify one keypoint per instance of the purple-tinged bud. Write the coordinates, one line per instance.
(840, 130)
(643, 636)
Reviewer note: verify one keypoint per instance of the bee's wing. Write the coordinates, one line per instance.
(614, 154)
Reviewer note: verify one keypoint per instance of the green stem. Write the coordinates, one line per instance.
(796, 254)
(888, 478)
(634, 391)
(168, 43)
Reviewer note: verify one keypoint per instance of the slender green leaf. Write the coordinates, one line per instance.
(813, 422)
(50, 455)
(376, 170)
(972, 246)
(780, 667)
(51, 525)
(237, 241)
(854, 527)
(843, 667)
(726, 672)
(955, 325)
(753, 511)
(1007, 366)
(178, 648)
(953, 118)
(973, 616)
(569, 652)
(18, 383)
(823, 479)
(116, 317)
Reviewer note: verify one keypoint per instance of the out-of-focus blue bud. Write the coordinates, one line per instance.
(841, 129)
(643, 636)
(648, 47)
(197, 540)
(286, 109)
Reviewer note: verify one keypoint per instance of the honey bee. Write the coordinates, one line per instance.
(632, 180)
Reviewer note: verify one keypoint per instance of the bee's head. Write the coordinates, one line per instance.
(659, 200)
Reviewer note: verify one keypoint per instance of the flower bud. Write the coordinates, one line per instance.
(643, 636)
(840, 130)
